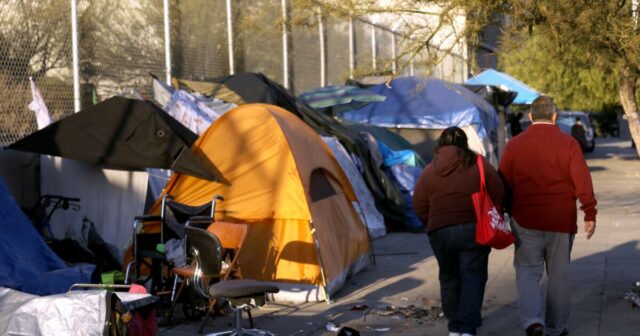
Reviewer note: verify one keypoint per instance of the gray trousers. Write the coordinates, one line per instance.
(535, 251)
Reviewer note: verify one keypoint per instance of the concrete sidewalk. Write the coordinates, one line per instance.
(407, 274)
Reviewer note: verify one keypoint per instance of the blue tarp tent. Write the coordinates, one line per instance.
(27, 263)
(526, 94)
(426, 103)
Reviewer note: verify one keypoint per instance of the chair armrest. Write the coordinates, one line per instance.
(148, 218)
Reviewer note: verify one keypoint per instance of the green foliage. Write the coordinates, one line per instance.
(563, 71)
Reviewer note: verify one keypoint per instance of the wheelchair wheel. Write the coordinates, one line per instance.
(192, 312)
(193, 306)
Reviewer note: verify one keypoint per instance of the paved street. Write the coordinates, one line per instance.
(406, 274)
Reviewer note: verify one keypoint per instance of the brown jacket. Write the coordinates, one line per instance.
(442, 195)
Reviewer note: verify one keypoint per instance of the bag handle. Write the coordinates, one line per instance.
(483, 186)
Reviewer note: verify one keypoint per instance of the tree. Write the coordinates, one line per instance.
(430, 30)
(602, 32)
(574, 82)
(34, 40)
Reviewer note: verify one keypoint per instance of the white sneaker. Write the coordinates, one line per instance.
(454, 334)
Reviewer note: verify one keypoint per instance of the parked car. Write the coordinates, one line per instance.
(565, 121)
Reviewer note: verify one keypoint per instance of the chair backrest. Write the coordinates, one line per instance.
(231, 235)
(208, 251)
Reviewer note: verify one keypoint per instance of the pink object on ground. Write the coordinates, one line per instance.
(137, 289)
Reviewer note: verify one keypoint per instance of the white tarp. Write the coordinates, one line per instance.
(483, 146)
(82, 313)
(369, 214)
(194, 111)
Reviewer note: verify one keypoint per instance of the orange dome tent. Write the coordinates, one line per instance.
(305, 234)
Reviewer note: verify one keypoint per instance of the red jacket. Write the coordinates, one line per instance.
(442, 196)
(547, 173)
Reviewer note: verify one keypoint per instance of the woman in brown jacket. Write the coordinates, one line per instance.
(442, 200)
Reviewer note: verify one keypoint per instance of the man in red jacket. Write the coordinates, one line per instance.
(546, 172)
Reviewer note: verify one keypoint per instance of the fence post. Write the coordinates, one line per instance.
(167, 42)
(374, 53)
(394, 64)
(74, 51)
(351, 47)
(285, 46)
(230, 37)
(323, 56)
(411, 72)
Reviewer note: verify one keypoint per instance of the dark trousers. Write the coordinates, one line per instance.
(463, 275)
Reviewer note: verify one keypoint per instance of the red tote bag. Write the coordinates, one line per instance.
(491, 229)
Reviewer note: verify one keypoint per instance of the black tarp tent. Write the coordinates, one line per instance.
(121, 133)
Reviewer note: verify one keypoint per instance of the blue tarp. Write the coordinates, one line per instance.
(26, 262)
(401, 168)
(416, 102)
(526, 94)
(391, 157)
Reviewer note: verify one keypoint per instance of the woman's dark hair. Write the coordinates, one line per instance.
(455, 136)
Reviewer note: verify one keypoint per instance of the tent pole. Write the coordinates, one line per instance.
(75, 55)
(324, 278)
(323, 55)
(230, 37)
(167, 42)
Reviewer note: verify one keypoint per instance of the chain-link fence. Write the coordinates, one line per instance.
(337, 50)
(35, 40)
(199, 38)
(121, 42)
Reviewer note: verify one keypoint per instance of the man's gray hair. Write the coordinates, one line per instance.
(543, 108)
